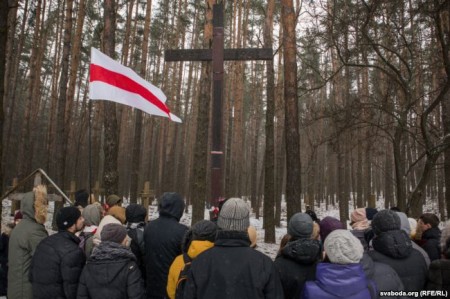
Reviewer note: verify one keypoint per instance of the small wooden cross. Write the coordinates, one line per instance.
(146, 195)
(217, 55)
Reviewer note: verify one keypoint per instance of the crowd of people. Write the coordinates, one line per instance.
(109, 251)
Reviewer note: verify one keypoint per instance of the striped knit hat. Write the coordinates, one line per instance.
(234, 215)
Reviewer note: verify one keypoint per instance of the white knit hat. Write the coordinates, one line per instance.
(342, 247)
(234, 215)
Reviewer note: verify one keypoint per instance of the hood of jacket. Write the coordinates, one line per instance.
(198, 247)
(395, 244)
(341, 280)
(35, 210)
(171, 205)
(107, 261)
(303, 251)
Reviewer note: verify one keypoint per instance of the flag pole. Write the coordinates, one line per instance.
(90, 145)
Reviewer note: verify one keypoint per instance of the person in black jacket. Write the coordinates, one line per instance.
(136, 216)
(393, 246)
(438, 273)
(111, 271)
(232, 269)
(163, 238)
(431, 235)
(298, 259)
(58, 261)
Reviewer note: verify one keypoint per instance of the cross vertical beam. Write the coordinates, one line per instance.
(217, 113)
(217, 54)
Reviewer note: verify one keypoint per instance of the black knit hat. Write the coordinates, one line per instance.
(370, 213)
(113, 232)
(66, 217)
(135, 213)
(204, 230)
(386, 220)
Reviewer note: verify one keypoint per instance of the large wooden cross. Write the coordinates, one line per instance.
(217, 55)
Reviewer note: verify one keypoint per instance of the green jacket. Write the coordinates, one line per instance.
(23, 242)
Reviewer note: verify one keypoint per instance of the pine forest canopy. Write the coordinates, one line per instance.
(362, 85)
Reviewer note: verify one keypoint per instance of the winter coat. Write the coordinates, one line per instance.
(340, 281)
(163, 238)
(136, 232)
(297, 264)
(439, 275)
(177, 266)
(24, 239)
(430, 243)
(385, 278)
(394, 248)
(422, 252)
(360, 235)
(56, 267)
(231, 270)
(112, 273)
(4, 242)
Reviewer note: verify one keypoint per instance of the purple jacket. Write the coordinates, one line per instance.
(339, 281)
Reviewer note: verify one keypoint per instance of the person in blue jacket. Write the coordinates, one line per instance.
(343, 276)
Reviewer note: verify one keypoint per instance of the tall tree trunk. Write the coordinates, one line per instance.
(293, 181)
(74, 65)
(4, 9)
(199, 179)
(110, 174)
(269, 163)
(136, 162)
(61, 146)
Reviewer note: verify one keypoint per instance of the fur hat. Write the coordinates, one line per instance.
(113, 232)
(358, 215)
(342, 247)
(112, 200)
(66, 217)
(135, 213)
(234, 215)
(359, 219)
(329, 224)
(386, 220)
(300, 226)
(92, 215)
(118, 213)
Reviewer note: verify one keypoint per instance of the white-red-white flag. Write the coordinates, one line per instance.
(109, 80)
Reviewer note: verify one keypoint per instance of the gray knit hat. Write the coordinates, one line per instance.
(300, 226)
(234, 215)
(342, 247)
(113, 232)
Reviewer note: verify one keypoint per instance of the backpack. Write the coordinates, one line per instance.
(182, 279)
(83, 238)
